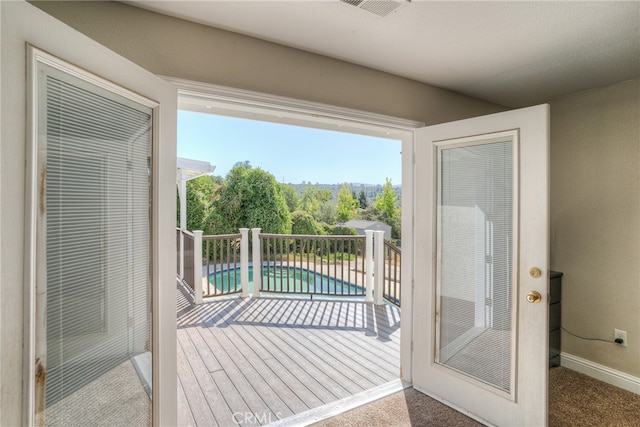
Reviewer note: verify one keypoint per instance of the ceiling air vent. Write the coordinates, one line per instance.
(379, 7)
(353, 2)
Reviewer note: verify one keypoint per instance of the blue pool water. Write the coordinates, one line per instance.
(286, 279)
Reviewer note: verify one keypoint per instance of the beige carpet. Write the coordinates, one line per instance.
(574, 400)
(578, 400)
(405, 408)
(116, 399)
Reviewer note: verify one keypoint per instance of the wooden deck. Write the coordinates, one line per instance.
(255, 361)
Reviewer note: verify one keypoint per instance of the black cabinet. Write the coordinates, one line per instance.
(555, 297)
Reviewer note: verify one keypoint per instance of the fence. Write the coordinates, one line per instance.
(189, 258)
(186, 270)
(313, 265)
(222, 264)
(392, 262)
(179, 252)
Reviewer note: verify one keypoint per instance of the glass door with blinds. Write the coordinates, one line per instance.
(94, 297)
(474, 284)
(480, 342)
(91, 191)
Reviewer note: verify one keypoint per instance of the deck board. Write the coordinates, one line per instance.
(361, 359)
(194, 393)
(270, 351)
(203, 349)
(185, 417)
(281, 386)
(315, 365)
(313, 378)
(272, 357)
(258, 395)
(338, 362)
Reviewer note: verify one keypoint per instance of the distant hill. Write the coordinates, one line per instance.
(370, 190)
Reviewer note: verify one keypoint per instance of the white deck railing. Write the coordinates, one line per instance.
(293, 264)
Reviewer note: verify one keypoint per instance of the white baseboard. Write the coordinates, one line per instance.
(601, 372)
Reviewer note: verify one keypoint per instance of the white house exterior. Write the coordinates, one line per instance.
(361, 225)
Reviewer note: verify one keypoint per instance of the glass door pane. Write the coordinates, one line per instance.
(475, 260)
(95, 146)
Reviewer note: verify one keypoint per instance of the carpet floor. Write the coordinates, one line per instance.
(579, 400)
(574, 400)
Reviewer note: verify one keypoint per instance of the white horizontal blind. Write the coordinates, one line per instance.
(475, 230)
(97, 147)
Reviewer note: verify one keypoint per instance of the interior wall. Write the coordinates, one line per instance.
(177, 48)
(595, 220)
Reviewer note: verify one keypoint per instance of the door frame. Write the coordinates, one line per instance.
(223, 100)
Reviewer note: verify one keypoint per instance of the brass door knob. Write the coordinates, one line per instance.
(534, 297)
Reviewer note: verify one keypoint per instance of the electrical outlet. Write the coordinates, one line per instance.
(618, 334)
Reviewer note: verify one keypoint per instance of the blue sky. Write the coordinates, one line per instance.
(291, 153)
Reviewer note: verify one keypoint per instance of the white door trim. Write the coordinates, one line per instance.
(204, 96)
(216, 99)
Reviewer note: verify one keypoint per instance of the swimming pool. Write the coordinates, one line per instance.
(286, 279)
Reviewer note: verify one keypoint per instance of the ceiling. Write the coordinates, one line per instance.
(511, 53)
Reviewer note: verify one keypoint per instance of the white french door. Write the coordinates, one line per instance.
(99, 250)
(482, 264)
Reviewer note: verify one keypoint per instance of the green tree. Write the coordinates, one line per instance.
(338, 245)
(346, 208)
(243, 164)
(370, 213)
(200, 193)
(387, 201)
(339, 230)
(362, 199)
(304, 223)
(249, 197)
(387, 205)
(313, 198)
(291, 196)
(326, 213)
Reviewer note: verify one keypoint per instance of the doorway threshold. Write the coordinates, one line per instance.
(343, 405)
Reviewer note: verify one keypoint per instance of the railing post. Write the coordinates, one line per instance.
(198, 279)
(378, 290)
(181, 249)
(183, 217)
(368, 266)
(179, 254)
(256, 261)
(244, 261)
